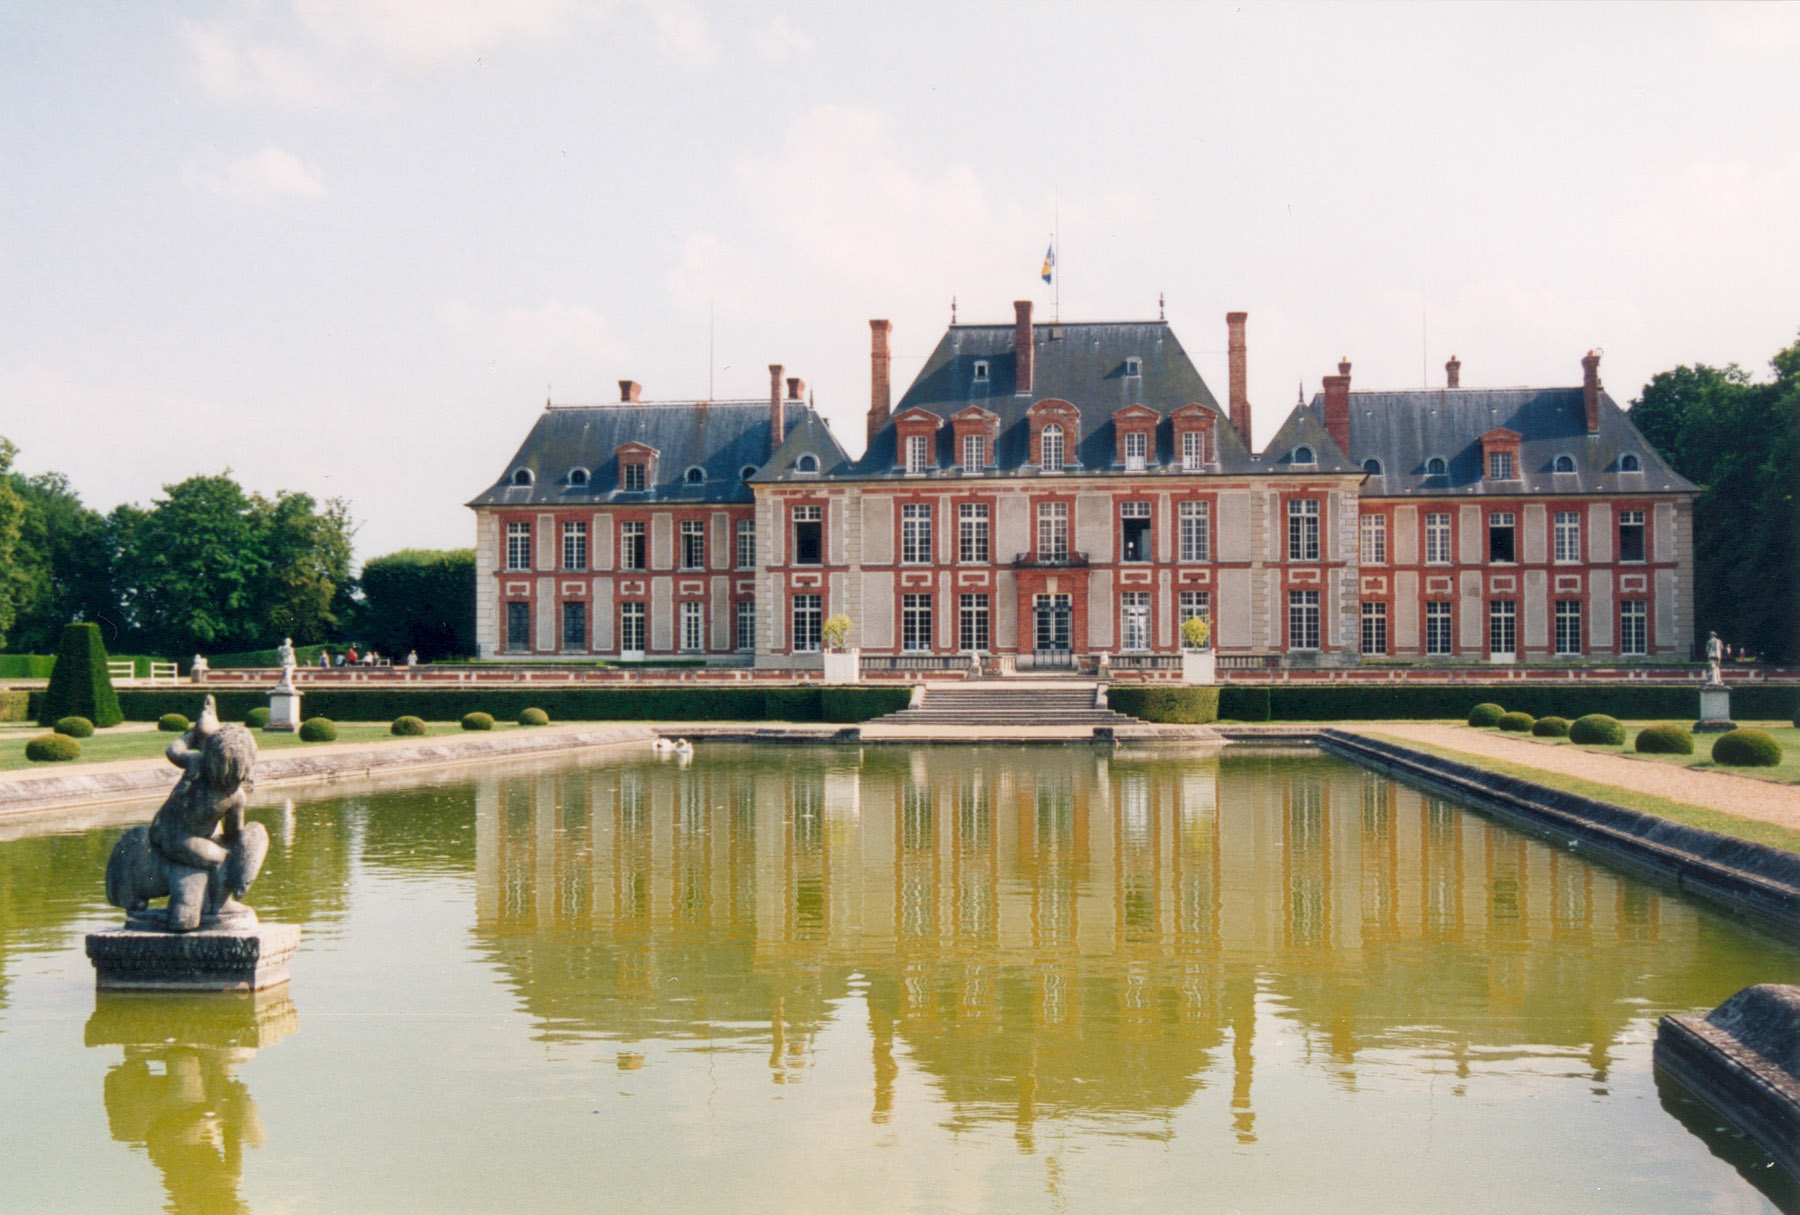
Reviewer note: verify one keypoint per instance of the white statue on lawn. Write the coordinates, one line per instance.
(1715, 654)
(284, 654)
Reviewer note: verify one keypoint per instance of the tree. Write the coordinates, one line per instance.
(305, 587)
(12, 513)
(80, 685)
(64, 563)
(420, 599)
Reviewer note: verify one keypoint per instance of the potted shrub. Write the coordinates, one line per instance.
(843, 661)
(1199, 664)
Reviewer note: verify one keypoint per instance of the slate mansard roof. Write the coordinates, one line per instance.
(1082, 363)
(1404, 430)
(721, 438)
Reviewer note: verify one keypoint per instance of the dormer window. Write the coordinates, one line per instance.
(578, 476)
(1435, 467)
(1304, 455)
(1372, 467)
(917, 452)
(1500, 454)
(633, 477)
(974, 453)
(746, 472)
(694, 476)
(1629, 463)
(1051, 447)
(521, 476)
(1137, 443)
(1134, 367)
(981, 371)
(1564, 464)
(807, 463)
(1500, 466)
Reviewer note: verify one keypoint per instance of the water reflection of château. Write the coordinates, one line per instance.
(1067, 928)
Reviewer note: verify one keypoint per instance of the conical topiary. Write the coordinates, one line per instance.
(79, 683)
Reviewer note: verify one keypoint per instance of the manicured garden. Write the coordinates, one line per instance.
(1765, 750)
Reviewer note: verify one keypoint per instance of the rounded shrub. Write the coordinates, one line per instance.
(1747, 749)
(52, 749)
(74, 727)
(318, 729)
(1666, 739)
(1597, 730)
(1517, 723)
(534, 717)
(409, 727)
(1551, 727)
(257, 718)
(478, 721)
(172, 723)
(1486, 714)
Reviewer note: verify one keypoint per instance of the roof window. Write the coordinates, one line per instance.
(1304, 455)
(807, 463)
(746, 472)
(695, 476)
(578, 476)
(1564, 464)
(1134, 366)
(981, 371)
(1372, 467)
(1435, 467)
(1630, 463)
(521, 476)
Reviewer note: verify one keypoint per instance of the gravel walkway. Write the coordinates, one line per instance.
(1721, 791)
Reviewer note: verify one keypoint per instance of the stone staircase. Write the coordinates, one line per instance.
(1051, 709)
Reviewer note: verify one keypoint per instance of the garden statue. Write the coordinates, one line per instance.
(284, 655)
(197, 671)
(1715, 654)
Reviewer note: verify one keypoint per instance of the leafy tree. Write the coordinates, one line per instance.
(420, 599)
(12, 513)
(305, 586)
(63, 565)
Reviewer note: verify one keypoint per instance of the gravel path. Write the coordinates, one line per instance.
(1721, 791)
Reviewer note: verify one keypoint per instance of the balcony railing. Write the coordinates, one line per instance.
(1025, 561)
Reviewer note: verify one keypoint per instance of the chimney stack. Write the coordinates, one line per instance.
(796, 387)
(1240, 396)
(777, 410)
(1022, 346)
(1337, 406)
(879, 397)
(1590, 391)
(1453, 373)
(629, 390)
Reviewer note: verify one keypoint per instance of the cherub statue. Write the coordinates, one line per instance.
(198, 849)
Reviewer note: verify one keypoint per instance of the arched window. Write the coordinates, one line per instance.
(578, 476)
(521, 476)
(1435, 467)
(1304, 455)
(746, 472)
(1629, 463)
(1564, 464)
(695, 476)
(1052, 446)
(1372, 467)
(807, 463)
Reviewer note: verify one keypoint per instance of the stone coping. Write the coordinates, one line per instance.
(1743, 1060)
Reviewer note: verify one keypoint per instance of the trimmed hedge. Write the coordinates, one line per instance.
(534, 717)
(1665, 739)
(1551, 727)
(407, 727)
(1176, 705)
(1597, 730)
(79, 685)
(52, 749)
(1396, 701)
(1486, 714)
(318, 729)
(478, 721)
(173, 723)
(1244, 704)
(15, 704)
(1747, 749)
(26, 666)
(257, 718)
(1516, 723)
(74, 727)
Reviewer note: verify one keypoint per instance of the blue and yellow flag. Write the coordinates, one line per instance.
(1049, 262)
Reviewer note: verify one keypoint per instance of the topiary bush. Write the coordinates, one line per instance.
(478, 721)
(407, 727)
(534, 717)
(1665, 739)
(1597, 730)
(52, 749)
(1747, 749)
(257, 718)
(172, 723)
(1517, 723)
(79, 684)
(1551, 727)
(318, 729)
(1486, 714)
(75, 727)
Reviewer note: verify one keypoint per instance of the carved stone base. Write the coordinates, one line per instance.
(284, 711)
(208, 959)
(1715, 710)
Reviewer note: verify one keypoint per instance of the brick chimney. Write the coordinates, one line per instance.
(880, 399)
(1240, 396)
(1590, 390)
(796, 388)
(1022, 346)
(1337, 406)
(1453, 373)
(777, 409)
(629, 391)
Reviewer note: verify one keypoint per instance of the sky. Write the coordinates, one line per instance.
(351, 247)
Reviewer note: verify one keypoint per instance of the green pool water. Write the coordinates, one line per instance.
(822, 979)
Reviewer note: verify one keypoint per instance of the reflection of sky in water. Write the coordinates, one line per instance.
(1048, 978)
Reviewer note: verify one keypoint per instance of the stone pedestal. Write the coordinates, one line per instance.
(1715, 710)
(1199, 666)
(284, 710)
(843, 667)
(208, 959)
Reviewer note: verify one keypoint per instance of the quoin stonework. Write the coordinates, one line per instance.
(1055, 492)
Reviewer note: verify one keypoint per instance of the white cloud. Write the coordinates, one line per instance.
(425, 32)
(779, 41)
(541, 335)
(262, 177)
(236, 67)
(681, 32)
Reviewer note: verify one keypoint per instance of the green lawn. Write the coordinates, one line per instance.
(1785, 773)
(126, 743)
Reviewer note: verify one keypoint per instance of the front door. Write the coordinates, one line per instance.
(1052, 614)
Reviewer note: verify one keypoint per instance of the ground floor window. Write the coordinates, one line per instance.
(693, 625)
(1437, 628)
(1503, 627)
(746, 624)
(1303, 620)
(631, 628)
(518, 626)
(574, 622)
(1135, 612)
(809, 622)
(1374, 628)
(1051, 613)
(1568, 626)
(1634, 626)
(915, 623)
(972, 622)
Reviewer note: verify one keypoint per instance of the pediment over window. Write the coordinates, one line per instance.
(1136, 415)
(916, 417)
(974, 415)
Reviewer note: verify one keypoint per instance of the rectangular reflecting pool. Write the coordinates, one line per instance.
(947, 979)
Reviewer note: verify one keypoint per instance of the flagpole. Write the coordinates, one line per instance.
(1056, 244)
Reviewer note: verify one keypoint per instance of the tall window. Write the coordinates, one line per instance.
(915, 623)
(1503, 627)
(1195, 531)
(1303, 529)
(974, 452)
(1053, 531)
(809, 621)
(518, 546)
(1303, 620)
(634, 478)
(916, 447)
(746, 544)
(1193, 450)
(518, 626)
(1568, 626)
(1566, 532)
(1050, 441)
(1196, 604)
(631, 628)
(915, 533)
(693, 544)
(746, 624)
(1135, 613)
(1437, 539)
(1134, 521)
(1136, 444)
(574, 536)
(1501, 537)
(1437, 628)
(809, 538)
(1374, 539)
(1500, 465)
(1634, 626)
(1374, 628)
(693, 625)
(972, 533)
(631, 544)
(1631, 535)
(972, 622)
(574, 625)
